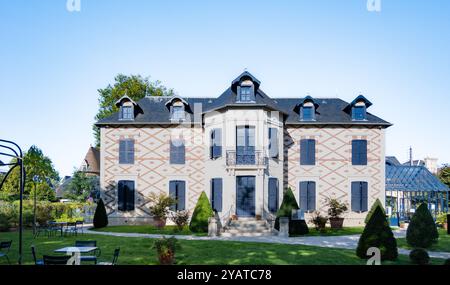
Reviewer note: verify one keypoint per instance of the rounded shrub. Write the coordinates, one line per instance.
(377, 233)
(447, 261)
(202, 212)
(287, 205)
(422, 231)
(419, 256)
(100, 216)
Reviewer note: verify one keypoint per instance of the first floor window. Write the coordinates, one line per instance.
(359, 196)
(359, 152)
(308, 152)
(216, 194)
(177, 190)
(126, 151)
(273, 195)
(125, 195)
(177, 152)
(308, 196)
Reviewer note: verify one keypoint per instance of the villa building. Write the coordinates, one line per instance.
(243, 149)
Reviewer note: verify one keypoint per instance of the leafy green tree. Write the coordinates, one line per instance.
(422, 231)
(444, 175)
(35, 163)
(202, 212)
(134, 86)
(378, 234)
(81, 186)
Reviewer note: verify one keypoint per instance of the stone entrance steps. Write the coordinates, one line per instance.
(247, 227)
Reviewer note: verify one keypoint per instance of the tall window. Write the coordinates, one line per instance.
(359, 196)
(178, 113)
(308, 152)
(125, 195)
(246, 94)
(359, 113)
(216, 143)
(177, 151)
(359, 152)
(273, 142)
(273, 195)
(308, 113)
(126, 113)
(216, 194)
(177, 190)
(308, 196)
(126, 151)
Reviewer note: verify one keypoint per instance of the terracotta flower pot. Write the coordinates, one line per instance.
(336, 223)
(166, 259)
(160, 223)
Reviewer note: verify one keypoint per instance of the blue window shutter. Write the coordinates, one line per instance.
(182, 154)
(363, 152)
(364, 196)
(129, 195)
(359, 152)
(311, 196)
(312, 152)
(303, 152)
(308, 152)
(273, 195)
(130, 151)
(181, 195)
(304, 196)
(216, 143)
(273, 142)
(121, 196)
(173, 193)
(122, 153)
(356, 197)
(177, 152)
(216, 194)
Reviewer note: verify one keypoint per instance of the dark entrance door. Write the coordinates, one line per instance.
(245, 196)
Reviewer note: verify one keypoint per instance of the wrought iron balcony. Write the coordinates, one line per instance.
(246, 159)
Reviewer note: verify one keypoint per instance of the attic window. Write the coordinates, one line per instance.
(359, 112)
(126, 113)
(246, 92)
(178, 113)
(308, 111)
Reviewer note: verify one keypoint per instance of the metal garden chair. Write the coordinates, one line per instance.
(36, 261)
(56, 260)
(5, 246)
(92, 243)
(115, 258)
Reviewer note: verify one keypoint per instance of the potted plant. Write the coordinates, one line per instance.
(181, 219)
(319, 221)
(165, 248)
(335, 210)
(160, 207)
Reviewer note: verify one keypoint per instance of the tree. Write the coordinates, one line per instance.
(202, 212)
(378, 234)
(35, 163)
(372, 209)
(287, 205)
(134, 86)
(81, 186)
(444, 174)
(422, 231)
(100, 216)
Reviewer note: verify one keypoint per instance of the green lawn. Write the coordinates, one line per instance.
(337, 232)
(443, 243)
(139, 251)
(146, 229)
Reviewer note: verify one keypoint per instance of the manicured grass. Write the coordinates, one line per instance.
(336, 232)
(443, 243)
(139, 251)
(147, 229)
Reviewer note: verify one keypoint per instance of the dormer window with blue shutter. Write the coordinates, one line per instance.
(178, 108)
(127, 108)
(358, 108)
(359, 113)
(126, 113)
(307, 109)
(178, 113)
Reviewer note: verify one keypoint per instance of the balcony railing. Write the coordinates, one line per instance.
(253, 158)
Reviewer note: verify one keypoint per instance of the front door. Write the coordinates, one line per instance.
(245, 196)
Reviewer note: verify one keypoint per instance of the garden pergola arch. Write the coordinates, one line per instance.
(12, 151)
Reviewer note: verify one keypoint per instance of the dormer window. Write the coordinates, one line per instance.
(308, 113)
(126, 113)
(178, 112)
(359, 113)
(307, 109)
(246, 94)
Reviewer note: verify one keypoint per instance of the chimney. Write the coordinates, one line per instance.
(411, 156)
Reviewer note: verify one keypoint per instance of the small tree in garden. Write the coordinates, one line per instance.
(422, 231)
(377, 233)
(100, 216)
(372, 209)
(287, 205)
(202, 212)
(180, 218)
(165, 249)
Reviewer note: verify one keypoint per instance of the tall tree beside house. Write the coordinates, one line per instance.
(134, 86)
(444, 174)
(35, 163)
(81, 186)
(378, 234)
(202, 212)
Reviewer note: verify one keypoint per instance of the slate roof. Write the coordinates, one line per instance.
(412, 178)
(330, 111)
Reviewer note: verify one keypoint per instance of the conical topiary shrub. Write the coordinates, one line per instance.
(372, 209)
(100, 216)
(287, 205)
(202, 212)
(377, 233)
(422, 231)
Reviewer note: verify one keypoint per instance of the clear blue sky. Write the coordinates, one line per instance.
(52, 61)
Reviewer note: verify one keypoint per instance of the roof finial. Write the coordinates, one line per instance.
(245, 69)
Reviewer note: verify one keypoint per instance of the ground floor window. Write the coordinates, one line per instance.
(177, 190)
(125, 195)
(359, 196)
(216, 194)
(273, 195)
(308, 196)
